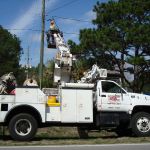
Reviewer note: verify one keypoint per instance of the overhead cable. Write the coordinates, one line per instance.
(62, 6)
(24, 29)
(80, 20)
(40, 31)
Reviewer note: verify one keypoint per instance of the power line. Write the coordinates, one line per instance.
(80, 20)
(62, 6)
(71, 33)
(24, 29)
(40, 31)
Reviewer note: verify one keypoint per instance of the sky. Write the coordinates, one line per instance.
(26, 14)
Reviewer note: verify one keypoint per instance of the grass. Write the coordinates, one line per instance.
(67, 136)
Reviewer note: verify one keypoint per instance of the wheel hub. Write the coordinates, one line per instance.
(23, 127)
(143, 124)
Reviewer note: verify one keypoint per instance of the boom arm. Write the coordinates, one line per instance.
(63, 60)
(93, 74)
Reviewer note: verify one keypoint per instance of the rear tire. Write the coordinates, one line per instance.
(140, 124)
(22, 127)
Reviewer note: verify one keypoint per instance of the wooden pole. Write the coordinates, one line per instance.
(42, 44)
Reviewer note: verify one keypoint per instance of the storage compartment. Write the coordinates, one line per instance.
(53, 114)
(77, 103)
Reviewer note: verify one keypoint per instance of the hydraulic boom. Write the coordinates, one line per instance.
(63, 60)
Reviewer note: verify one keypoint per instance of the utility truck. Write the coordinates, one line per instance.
(88, 106)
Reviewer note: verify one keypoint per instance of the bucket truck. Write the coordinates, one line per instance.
(98, 105)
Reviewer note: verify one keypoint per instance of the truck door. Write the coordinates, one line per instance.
(113, 97)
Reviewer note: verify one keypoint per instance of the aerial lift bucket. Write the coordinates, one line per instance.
(50, 45)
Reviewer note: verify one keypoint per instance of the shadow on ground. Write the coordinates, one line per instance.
(40, 137)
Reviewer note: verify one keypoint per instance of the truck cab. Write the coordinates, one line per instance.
(115, 107)
(112, 97)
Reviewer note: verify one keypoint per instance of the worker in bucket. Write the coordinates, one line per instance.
(52, 29)
(53, 26)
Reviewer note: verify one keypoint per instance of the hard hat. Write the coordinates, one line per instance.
(52, 22)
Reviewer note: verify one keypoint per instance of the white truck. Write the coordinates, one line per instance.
(103, 104)
(88, 106)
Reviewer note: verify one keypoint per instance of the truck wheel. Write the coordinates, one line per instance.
(22, 127)
(140, 124)
(83, 133)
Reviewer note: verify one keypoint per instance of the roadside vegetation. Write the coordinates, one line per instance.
(68, 136)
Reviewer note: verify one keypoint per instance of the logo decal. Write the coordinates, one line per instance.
(113, 98)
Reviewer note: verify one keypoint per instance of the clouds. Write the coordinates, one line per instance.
(36, 37)
(30, 18)
(73, 26)
(25, 20)
(32, 14)
(90, 15)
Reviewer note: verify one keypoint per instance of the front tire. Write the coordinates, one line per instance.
(140, 124)
(22, 127)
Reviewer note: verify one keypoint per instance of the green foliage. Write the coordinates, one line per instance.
(48, 70)
(10, 52)
(75, 49)
(48, 73)
(121, 35)
(137, 60)
(79, 68)
(21, 76)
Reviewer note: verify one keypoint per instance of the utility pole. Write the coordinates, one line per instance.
(28, 63)
(42, 44)
(27, 66)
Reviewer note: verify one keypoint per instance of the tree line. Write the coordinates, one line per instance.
(119, 39)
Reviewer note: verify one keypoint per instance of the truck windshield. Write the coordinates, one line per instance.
(110, 87)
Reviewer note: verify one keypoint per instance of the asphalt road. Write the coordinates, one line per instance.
(83, 147)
